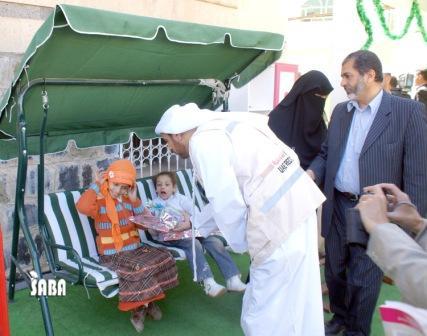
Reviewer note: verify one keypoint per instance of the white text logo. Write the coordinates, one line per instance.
(47, 287)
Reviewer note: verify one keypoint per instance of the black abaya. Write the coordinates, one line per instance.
(298, 119)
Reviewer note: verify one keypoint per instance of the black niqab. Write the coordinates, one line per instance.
(298, 119)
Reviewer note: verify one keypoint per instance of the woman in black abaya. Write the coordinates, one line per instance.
(298, 119)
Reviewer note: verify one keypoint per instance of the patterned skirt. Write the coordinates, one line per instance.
(144, 274)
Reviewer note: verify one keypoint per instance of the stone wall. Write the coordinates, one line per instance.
(68, 170)
(18, 23)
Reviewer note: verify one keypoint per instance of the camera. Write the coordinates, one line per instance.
(355, 230)
(406, 81)
(356, 233)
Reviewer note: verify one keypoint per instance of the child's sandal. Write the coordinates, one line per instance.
(137, 319)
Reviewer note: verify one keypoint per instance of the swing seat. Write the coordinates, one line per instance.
(72, 235)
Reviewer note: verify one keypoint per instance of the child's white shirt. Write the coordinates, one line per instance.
(203, 220)
(177, 201)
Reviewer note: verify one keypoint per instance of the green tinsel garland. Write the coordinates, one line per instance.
(415, 12)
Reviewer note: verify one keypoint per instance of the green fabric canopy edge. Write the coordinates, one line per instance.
(147, 28)
(74, 18)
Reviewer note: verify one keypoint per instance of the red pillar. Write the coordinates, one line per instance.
(4, 317)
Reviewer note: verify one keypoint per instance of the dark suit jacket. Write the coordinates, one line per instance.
(421, 96)
(395, 151)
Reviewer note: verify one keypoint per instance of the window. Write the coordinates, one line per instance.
(151, 156)
(317, 10)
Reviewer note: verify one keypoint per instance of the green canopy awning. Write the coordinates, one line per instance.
(83, 43)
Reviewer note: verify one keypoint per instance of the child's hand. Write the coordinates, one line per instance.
(132, 194)
(100, 177)
(181, 227)
(147, 212)
(184, 225)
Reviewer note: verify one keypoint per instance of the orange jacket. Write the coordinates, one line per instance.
(92, 205)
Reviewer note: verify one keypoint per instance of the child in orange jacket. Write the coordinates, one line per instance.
(144, 272)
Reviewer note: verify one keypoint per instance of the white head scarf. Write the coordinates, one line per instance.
(178, 119)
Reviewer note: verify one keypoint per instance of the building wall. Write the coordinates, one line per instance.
(69, 170)
(75, 168)
(322, 45)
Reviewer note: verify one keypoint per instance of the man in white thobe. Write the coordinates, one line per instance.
(262, 202)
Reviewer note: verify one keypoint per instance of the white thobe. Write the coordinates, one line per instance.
(283, 296)
(231, 166)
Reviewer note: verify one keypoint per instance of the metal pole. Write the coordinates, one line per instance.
(20, 213)
(225, 107)
(40, 185)
(113, 82)
(4, 317)
(14, 252)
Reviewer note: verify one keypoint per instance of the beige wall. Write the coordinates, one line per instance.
(267, 15)
(19, 20)
(16, 33)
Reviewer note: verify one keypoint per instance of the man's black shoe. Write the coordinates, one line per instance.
(333, 327)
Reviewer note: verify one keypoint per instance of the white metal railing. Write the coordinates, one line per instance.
(151, 156)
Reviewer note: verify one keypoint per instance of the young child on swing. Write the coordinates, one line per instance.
(165, 183)
(144, 272)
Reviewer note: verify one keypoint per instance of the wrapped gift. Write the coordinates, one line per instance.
(172, 218)
(155, 208)
(149, 222)
(163, 220)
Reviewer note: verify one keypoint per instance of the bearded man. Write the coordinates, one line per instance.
(262, 202)
(372, 138)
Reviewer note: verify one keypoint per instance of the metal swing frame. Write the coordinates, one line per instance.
(220, 93)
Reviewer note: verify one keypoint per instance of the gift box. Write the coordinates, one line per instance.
(145, 222)
(164, 220)
(155, 208)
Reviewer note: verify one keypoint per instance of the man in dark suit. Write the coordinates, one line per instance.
(372, 138)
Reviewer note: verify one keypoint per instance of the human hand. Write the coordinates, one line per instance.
(184, 225)
(100, 177)
(403, 212)
(147, 212)
(132, 194)
(311, 174)
(373, 208)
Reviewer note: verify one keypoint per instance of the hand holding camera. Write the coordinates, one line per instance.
(384, 203)
(373, 207)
